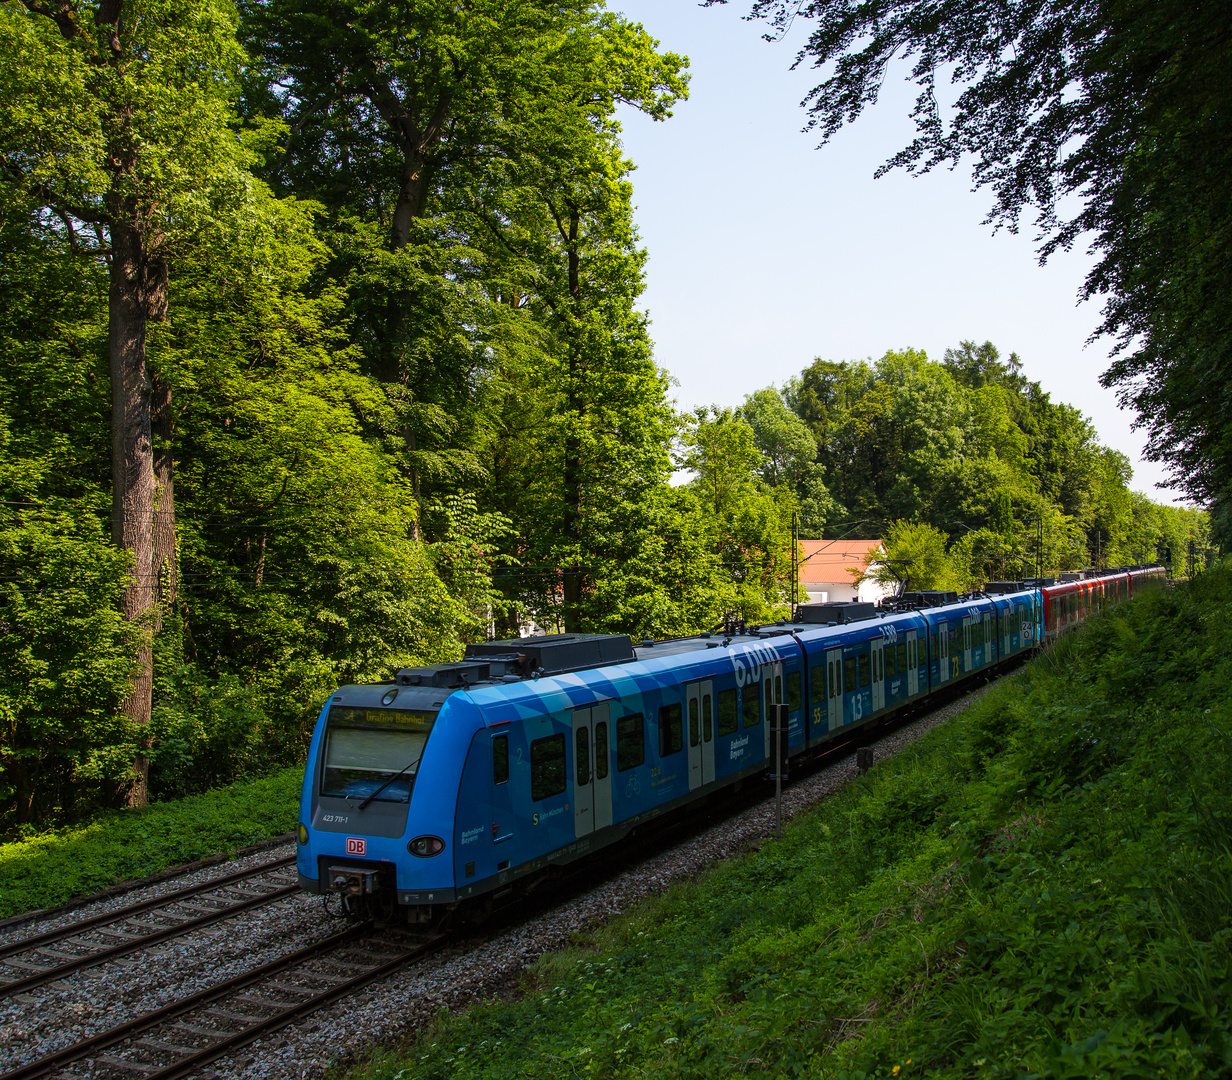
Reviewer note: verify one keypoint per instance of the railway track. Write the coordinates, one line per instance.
(179, 1039)
(86, 943)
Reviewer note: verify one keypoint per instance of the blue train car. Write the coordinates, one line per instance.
(468, 780)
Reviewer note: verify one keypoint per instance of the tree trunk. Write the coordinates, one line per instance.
(166, 564)
(410, 198)
(572, 576)
(132, 462)
(411, 446)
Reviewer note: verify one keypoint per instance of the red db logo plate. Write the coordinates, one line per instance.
(356, 846)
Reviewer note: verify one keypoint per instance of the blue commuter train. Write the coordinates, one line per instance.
(469, 780)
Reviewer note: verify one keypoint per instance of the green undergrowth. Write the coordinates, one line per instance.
(51, 867)
(1041, 887)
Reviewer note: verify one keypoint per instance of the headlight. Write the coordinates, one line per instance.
(426, 846)
(302, 833)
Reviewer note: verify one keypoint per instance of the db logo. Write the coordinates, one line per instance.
(356, 846)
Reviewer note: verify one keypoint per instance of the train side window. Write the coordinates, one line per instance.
(630, 741)
(866, 674)
(601, 750)
(849, 673)
(751, 701)
(707, 719)
(581, 756)
(904, 660)
(817, 684)
(500, 759)
(671, 729)
(778, 691)
(729, 716)
(695, 734)
(936, 648)
(794, 699)
(891, 667)
(547, 767)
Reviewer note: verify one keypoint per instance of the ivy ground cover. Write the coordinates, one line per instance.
(1041, 887)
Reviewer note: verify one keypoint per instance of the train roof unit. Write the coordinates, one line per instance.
(836, 614)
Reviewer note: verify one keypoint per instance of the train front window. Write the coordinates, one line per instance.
(374, 752)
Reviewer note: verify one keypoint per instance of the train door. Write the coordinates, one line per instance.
(601, 741)
(943, 651)
(592, 781)
(583, 771)
(834, 688)
(502, 801)
(913, 664)
(967, 630)
(701, 734)
(878, 649)
(990, 638)
(772, 694)
(707, 733)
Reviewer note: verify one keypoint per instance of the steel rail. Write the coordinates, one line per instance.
(104, 1039)
(139, 942)
(289, 1015)
(81, 925)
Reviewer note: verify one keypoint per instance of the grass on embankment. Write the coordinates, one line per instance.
(1041, 887)
(52, 867)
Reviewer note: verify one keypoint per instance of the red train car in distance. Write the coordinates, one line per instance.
(1075, 597)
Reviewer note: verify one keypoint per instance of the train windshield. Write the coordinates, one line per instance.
(374, 752)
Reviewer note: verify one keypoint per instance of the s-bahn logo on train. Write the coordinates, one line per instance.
(749, 660)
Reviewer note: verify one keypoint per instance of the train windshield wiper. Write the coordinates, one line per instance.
(400, 772)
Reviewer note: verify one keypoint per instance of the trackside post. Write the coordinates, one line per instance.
(780, 765)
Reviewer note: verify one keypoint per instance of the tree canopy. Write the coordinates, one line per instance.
(1106, 121)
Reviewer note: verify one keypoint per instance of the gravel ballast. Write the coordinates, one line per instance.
(54, 1016)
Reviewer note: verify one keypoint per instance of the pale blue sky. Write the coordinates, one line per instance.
(766, 252)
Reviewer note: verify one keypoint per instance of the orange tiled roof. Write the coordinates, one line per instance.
(830, 561)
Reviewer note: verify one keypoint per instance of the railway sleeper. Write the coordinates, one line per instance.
(192, 1029)
(130, 1066)
(168, 1048)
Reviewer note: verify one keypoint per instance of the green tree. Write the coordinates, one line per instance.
(1111, 121)
(119, 129)
(915, 553)
(750, 522)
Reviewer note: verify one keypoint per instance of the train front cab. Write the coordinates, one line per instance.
(360, 820)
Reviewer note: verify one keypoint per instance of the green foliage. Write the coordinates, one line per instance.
(412, 398)
(65, 658)
(42, 869)
(915, 553)
(1104, 119)
(1017, 483)
(1039, 887)
(749, 520)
